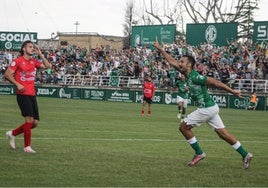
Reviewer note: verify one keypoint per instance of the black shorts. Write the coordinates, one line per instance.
(28, 106)
(148, 100)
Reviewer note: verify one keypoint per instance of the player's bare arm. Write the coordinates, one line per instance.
(218, 84)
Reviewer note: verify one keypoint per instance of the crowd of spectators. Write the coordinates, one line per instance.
(237, 60)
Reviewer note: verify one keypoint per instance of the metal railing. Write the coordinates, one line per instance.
(244, 85)
(251, 85)
(115, 81)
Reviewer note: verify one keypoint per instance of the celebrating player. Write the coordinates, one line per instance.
(207, 111)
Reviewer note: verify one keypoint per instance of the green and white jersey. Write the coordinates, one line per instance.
(198, 89)
(182, 91)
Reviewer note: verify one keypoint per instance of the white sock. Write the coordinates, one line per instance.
(192, 140)
(236, 145)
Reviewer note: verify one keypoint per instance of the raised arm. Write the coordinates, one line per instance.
(168, 57)
(45, 64)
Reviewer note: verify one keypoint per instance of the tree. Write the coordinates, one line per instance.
(246, 18)
(151, 12)
(127, 26)
(168, 13)
(240, 11)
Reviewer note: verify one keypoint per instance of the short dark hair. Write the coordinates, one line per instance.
(191, 59)
(23, 45)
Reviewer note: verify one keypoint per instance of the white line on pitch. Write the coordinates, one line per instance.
(141, 140)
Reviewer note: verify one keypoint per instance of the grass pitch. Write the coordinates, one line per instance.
(82, 143)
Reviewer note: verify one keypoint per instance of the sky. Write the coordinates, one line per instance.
(105, 17)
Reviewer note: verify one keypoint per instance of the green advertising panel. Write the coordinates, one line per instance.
(170, 98)
(225, 101)
(260, 33)
(86, 93)
(221, 100)
(138, 96)
(76, 93)
(14, 40)
(94, 94)
(70, 93)
(158, 97)
(240, 103)
(46, 91)
(261, 103)
(266, 107)
(145, 35)
(243, 103)
(119, 95)
(7, 90)
(213, 33)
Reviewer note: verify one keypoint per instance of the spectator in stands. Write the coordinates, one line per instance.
(241, 74)
(265, 63)
(21, 73)
(235, 55)
(172, 76)
(225, 74)
(9, 57)
(260, 71)
(231, 79)
(136, 70)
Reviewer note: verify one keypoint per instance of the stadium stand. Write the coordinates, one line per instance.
(239, 65)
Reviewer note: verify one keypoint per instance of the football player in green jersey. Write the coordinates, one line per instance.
(182, 87)
(207, 111)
